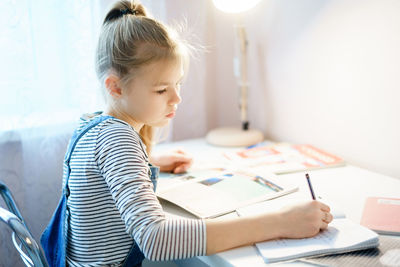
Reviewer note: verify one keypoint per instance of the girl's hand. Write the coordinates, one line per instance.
(176, 161)
(305, 220)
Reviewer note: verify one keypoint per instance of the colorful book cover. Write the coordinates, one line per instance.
(382, 215)
(284, 158)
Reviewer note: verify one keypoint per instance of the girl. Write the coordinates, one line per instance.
(112, 216)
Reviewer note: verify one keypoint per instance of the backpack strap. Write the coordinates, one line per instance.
(74, 140)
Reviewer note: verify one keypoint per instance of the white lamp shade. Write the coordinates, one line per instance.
(235, 6)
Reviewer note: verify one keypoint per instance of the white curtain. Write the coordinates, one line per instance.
(47, 81)
(47, 61)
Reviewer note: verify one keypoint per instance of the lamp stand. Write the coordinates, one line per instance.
(236, 136)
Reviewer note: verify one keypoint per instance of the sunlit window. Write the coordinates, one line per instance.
(47, 61)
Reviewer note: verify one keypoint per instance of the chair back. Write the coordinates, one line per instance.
(21, 236)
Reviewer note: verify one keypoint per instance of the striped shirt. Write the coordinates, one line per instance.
(112, 203)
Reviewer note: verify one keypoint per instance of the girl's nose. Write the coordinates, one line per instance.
(175, 98)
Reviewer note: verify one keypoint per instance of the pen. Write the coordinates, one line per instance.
(310, 186)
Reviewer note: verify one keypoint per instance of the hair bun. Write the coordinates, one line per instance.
(139, 10)
(122, 8)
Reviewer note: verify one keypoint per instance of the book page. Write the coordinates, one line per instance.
(167, 181)
(342, 235)
(212, 193)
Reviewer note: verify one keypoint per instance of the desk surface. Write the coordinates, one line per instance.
(343, 188)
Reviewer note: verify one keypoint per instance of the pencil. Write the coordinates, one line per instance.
(310, 186)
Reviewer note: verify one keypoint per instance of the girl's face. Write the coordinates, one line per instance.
(152, 95)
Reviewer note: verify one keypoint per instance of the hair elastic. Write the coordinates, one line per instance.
(119, 13)
(128, 11)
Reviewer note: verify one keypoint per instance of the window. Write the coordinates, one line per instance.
(47, 51)
(47, 61)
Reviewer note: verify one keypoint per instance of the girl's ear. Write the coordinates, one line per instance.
(112, 83)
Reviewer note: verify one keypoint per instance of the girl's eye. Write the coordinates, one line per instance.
(160, 92)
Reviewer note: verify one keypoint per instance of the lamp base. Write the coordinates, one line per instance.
(234, 137)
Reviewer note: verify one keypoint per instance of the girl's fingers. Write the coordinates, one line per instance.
(324, 225)
(182, 168)
(181, 158)
(325, 207)
(180, 151)
(326, 217)
(178, 169)
(186, 166)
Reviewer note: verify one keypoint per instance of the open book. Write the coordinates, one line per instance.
(214, 192)
(342, 236)
(284, 158)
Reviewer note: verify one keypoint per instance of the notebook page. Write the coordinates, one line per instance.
(342, 235)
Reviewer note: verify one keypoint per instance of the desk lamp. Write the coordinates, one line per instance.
(237, 136)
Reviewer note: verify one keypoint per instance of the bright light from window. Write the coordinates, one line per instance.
(235, 6)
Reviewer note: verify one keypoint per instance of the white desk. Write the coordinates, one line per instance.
(344, 188)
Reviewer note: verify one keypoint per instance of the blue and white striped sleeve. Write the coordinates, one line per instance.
(123, 164)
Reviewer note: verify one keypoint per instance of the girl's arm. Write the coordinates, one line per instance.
(123, 164)
(294, 222)
(304, 220)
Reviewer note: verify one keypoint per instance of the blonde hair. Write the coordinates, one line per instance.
(129, 39)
